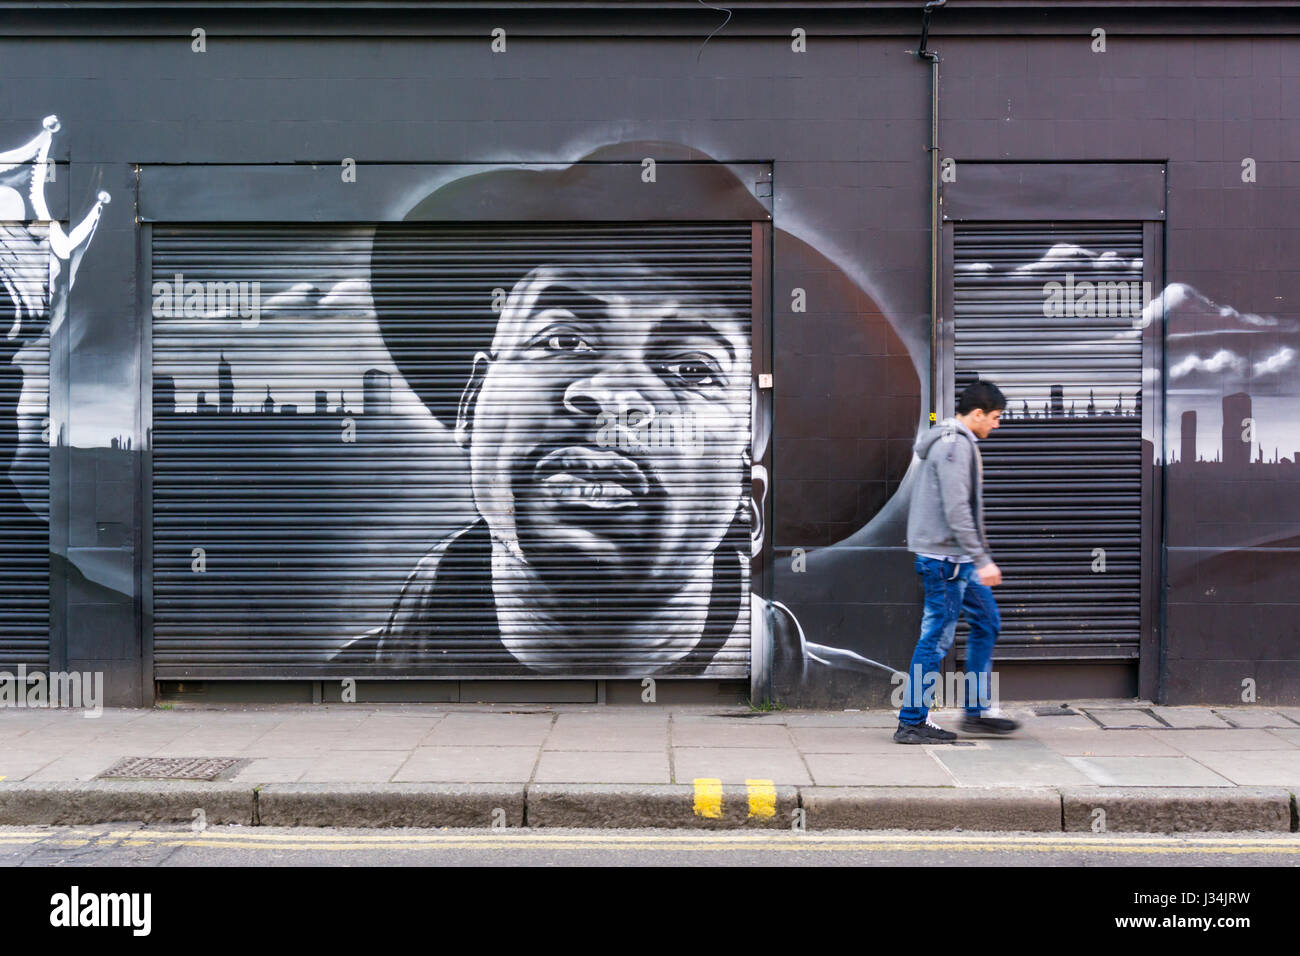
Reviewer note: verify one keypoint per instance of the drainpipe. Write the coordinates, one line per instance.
(923, 54)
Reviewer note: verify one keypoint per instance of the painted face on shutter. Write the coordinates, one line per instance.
(608, 429)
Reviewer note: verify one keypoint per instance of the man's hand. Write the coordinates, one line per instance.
(990, 575)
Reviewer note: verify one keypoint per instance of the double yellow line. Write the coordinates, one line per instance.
(670, 841)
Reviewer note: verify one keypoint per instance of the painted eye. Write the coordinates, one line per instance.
(567, 342)
(694, 374)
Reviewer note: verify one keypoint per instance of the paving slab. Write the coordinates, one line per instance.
(1006, 763)
(380, 732)
(1254, 717)
(1110, 743)
(327, 715)
(1120, 771)
(20, 766)
(1191, 717)
(75, 736)
(144, 740)
(736, 765)
(618, 720)
(1254, 767)
(699, 734)
(1175, 810)
(273, 770)
(1196, 741)
(275, 743)
(582, 732)
(916, 768)
(737, 718)
(74, 767)
(355, 766)
(489, 730)
(840, 719)
(1036, 726)
(606, 766)
(468, 765)
(844, 740)
(217, 740)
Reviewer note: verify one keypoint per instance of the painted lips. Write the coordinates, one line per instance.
(597, 478)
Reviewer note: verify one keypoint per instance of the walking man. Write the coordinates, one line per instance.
(945, 530)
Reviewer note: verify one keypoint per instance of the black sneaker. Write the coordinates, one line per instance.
(989, 722)
(926, 733)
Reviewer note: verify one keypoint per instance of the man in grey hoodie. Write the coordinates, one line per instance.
(945, 530)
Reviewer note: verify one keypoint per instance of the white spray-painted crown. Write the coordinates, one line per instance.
(37, 153)
(25, 223)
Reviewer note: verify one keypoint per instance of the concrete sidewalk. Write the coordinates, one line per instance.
(1144, 767)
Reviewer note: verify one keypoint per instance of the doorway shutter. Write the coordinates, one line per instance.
(1063, 474)
(313, 512)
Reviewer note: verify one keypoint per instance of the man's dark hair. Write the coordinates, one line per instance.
(982, 395)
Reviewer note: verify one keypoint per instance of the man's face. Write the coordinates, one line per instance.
(608, 431)
(982, 423)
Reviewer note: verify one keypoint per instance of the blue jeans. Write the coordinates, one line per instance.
(951, 589)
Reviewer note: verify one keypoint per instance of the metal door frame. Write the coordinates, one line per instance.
(1038, 192)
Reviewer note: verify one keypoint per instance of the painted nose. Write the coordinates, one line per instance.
(601, 393)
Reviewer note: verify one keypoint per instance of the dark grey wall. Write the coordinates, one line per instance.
(845, 126)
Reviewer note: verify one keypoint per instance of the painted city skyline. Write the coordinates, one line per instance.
(376, 397)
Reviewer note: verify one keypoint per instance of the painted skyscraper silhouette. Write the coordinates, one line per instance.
(1236, 409)
(225, 386)
(377, 392)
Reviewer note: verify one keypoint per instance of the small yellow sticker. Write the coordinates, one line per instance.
(762, 798)
(708, 798)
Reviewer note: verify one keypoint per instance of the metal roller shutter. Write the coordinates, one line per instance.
(24, 416)
(1063, 474)
(314, 514)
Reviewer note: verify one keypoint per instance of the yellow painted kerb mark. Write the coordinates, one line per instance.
(762, 798)
(708, 798)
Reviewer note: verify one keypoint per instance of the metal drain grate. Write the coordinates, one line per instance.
(170, 768)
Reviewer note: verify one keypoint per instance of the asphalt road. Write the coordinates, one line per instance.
(224, 846)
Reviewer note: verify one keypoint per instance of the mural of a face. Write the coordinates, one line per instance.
(608, 430)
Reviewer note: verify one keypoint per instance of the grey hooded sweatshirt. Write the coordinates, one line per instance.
(947, 511)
